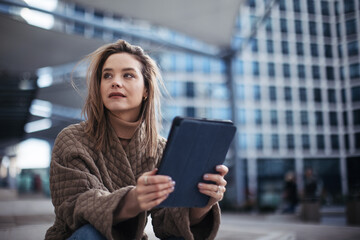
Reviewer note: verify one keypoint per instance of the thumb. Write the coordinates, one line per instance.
(151, 173)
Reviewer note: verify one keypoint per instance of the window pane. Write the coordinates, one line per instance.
(349, 6)
(350, 27)
(317, 95)
(287, 93)
(305, 138)
(257, 116)
(353, 48)
(259, 141)
(190, 91)
(282, 5)
(298, 27)
(271, 69)
(272, 93)
(299, 49)
(301, 71)
(304, 118)
(255, 69)
(290, 141)
(289, 118)
(333, 119)
(356, 117)
(334, 142)
(325, 8)
(302, 94)
(270, 46)
(297, 5)
(328, 51)
(331, 96)
(286, 70)
(275, 141)
(314, 50)
(315, 72)
(320, 142)
(285, 47)
(355, 94)
(273, 117)
(319, 121)
(312, 28)
(283, 25)
(311, 6)
(254, 45)
(326, 30)
(354, 70)
(257, 92)
(330, 73)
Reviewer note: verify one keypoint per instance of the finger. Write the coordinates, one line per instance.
(222, 169)
(149, 205)
(149, 178)
(150, 173)
(218, 196)
(155, 195)
(215, 178)
(158, 187)
(211, 187)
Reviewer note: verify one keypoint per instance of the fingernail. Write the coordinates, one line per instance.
(173, 183)
(201, 184)
(206, 176)
(170, 179)
(218, 167)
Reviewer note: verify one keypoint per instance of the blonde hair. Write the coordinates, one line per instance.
(94, 110)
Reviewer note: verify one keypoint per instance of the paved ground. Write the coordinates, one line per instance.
(30, 218)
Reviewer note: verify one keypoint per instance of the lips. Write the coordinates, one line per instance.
(116, 94)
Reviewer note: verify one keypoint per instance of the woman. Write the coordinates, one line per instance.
(103, 171)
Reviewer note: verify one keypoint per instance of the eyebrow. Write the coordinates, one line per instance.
(123, 70)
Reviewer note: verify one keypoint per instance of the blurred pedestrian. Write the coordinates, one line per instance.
(310, 210)
(311, 185)
(290, 195)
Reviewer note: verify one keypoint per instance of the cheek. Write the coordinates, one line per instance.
(102, 92)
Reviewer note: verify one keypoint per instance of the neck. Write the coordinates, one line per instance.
(124, 129)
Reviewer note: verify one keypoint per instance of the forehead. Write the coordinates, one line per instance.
(122, 60)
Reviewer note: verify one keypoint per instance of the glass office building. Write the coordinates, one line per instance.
(298, 95)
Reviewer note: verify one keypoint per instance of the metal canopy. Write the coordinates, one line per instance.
(211, 21)
(27, 48)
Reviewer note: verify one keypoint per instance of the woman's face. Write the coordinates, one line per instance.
(122, 86)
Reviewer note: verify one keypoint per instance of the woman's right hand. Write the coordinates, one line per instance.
(152, 189)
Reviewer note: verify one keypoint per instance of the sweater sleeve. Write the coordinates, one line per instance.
(78, 194)
(175, 222)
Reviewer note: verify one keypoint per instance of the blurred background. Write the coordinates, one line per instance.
(287, 73)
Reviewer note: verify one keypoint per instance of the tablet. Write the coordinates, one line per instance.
(194, 147)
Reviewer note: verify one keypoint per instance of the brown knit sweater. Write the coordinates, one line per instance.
(87, 186)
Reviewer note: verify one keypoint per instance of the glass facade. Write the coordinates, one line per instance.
(311, 74)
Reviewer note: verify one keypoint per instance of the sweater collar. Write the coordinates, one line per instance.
(123, 129)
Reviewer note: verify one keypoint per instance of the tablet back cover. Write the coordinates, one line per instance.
(194, 147)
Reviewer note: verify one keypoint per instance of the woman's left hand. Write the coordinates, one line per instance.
(215, 191)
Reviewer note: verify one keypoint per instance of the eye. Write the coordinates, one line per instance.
(106, 75)
(129, 75)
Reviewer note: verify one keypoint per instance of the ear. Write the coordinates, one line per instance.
(146, 94)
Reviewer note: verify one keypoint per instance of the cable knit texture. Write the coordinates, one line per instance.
(87, 186)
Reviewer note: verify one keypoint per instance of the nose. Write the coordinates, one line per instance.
(117, 83)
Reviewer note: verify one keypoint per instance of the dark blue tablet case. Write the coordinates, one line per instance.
(194, 147)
